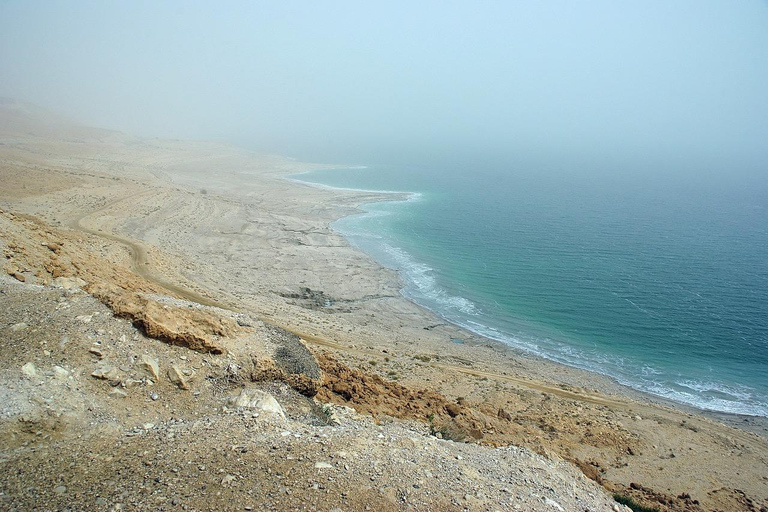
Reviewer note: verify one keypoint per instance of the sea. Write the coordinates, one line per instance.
(653, 276)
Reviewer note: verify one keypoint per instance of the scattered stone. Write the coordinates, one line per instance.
(29, 370)
(60, 373)
(131, 383)
(244, 321)
(54, 247)
(151, 366)
(177, 377)
(323, 465)
(18, 327)
(108, 373)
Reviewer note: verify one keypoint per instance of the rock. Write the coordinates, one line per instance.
(151, 366)
(227, 480)
(19, 276)
(18, 327)
(117, 393)
(241, 400)
(53, 247)
(553, 504)
(257, 399)
(29, 370)
(86, 319)
(154, 396)
(131, 383)
(323, 465)
(108, 373)
(96, 351)
(453, 410)
(177, 377)
(60, 373)
(244, 321)
(504, 415)
(61, 489)
(69, 283)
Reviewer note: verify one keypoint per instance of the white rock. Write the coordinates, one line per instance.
(553, 503)
(177, 377)
(151, 366)
(60, 373)
(227, 480)
(19, 327)
(69, 283)
(323, 465)
(257, 399)
(29, 370)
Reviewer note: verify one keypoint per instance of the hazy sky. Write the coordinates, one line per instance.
(354, 81)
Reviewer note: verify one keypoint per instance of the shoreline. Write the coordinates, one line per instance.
(747, 422)
(224, 225)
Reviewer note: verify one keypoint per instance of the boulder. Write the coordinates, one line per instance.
(258, 400)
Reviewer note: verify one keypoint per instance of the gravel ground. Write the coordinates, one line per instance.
(130, 441)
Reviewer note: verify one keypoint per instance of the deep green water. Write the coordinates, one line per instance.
(660, 282)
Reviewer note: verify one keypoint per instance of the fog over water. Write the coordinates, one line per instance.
(680, 81)
(591, 177)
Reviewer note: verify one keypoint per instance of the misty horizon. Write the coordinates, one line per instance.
(680, 82)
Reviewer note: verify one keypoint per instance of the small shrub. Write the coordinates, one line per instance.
(635, 506)
(448, 431)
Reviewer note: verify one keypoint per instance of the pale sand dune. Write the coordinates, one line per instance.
(220, 225)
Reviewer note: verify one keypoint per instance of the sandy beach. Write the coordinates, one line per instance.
(223, 228)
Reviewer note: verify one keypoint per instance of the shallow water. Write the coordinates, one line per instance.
(660, 282)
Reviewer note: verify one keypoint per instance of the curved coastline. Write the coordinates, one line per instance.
(480, 334)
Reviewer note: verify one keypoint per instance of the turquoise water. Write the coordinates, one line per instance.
(660, 282)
